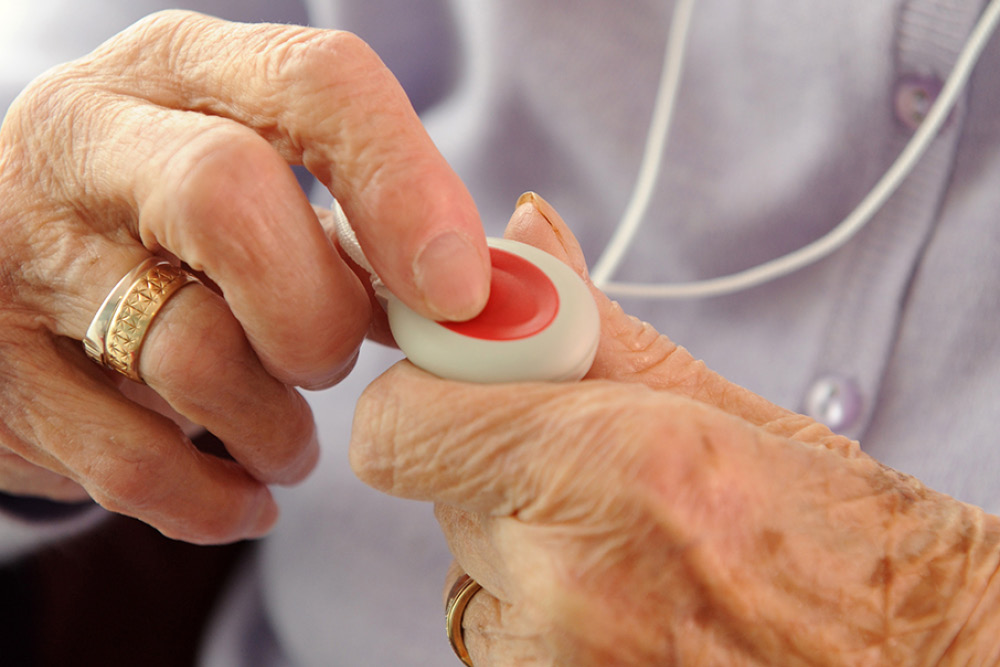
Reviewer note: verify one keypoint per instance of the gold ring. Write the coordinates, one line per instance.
(115, 336)
(458, 599)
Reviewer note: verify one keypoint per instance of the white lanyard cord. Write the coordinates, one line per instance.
(824, 246)
(656, 141)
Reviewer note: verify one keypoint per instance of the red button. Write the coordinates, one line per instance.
(523, 301)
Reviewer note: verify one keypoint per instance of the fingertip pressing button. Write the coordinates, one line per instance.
(523, 301)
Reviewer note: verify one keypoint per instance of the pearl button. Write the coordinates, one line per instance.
(834, 400)
(913, 99)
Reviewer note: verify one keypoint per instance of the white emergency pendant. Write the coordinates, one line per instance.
(539, 324)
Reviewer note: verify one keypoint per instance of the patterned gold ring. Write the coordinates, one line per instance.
(462, 592)
(116, 334)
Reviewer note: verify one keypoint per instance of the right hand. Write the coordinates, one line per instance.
(658, 514)
(174, 138)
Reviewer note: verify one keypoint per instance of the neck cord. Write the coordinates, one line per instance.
(809, 254)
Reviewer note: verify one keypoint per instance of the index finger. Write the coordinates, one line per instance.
(501, 449)
(324, 99)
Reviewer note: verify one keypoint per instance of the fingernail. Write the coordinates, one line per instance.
(527, 197)
(452, 277)
(537, 202)
(554, 237)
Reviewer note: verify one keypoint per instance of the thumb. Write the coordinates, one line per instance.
(632, 351)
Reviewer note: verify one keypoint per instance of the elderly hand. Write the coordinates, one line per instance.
(174, 139)
(655, 514)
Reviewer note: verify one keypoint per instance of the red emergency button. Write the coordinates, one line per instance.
(523, 301)
(540, 323)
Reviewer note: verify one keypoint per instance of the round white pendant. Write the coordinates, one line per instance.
(541, 323)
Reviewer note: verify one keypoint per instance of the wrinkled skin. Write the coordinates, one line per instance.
(655, 514)
(175, 138)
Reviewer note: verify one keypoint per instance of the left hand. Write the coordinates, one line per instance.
(173, 140)
(656, 514)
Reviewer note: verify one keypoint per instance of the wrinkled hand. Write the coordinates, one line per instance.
(655, 514)
(174, 138)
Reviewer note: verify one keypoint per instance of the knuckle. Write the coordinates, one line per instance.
(200, 189)
(210, 526)
(319, 58)
(281, 449)
(126, 474)
(807, 430)
(220, 152)
(135, 486)
(48, 167)
(125, 486)
(377, 417)
(343, 91)
(295, 460)
(644, 354)
(386, 439)
(181, 352)
(160, 33)
(45, 117)
(164, 20)
(185, 359)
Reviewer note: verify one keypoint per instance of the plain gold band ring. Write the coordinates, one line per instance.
(115, 335)
(458, 599)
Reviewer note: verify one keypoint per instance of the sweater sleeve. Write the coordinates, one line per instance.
(27, 524)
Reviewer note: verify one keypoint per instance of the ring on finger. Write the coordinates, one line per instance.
(459, 597)
(115, 335)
